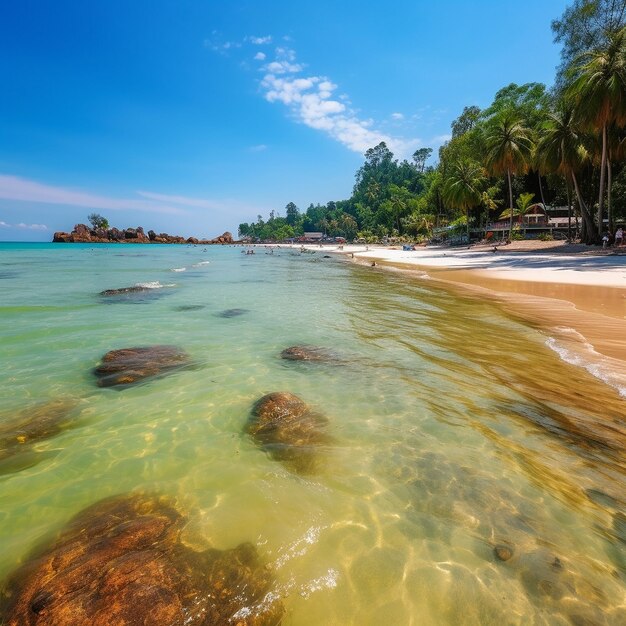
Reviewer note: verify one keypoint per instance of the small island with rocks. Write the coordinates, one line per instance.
(99, 232)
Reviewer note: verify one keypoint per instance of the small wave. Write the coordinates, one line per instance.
(300, 546)
(327, 581)
(155, 284)
(179, 269)
(583, 355)
(201, 263)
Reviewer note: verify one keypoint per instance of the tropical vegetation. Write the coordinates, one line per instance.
(563, 147)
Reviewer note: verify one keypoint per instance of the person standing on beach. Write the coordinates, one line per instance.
(619, 237)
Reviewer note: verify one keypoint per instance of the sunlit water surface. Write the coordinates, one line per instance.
(455, 429)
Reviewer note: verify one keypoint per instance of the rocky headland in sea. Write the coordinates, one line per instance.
(83, 234)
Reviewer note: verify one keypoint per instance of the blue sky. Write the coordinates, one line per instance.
(191, 116)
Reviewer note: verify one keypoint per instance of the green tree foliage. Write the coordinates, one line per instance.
(466, 121)
(509, 148)
(293, 214)
(420, 156)
(386, 192)
(530, 142)
(529, 102)
(97, 221)
(599, 95)
(561, 150)
(464, 186)
(586, 25)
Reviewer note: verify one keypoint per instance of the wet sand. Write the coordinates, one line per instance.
(575, 294)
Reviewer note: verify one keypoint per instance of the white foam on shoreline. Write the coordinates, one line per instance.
(573, 348)
(179, 269)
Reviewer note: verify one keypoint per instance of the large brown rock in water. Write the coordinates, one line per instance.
(223, 238)
(81, 233)
(62, 237)
(285, 426)
(120, 562)
(131, 365)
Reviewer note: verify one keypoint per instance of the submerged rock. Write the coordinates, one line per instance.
(502, 552)
(121, 562)
(307, 353)
(131, 365)
(190, 307)
(124, 290)
(286, 427)
(134, 294)
(31, 425)
(232, 312)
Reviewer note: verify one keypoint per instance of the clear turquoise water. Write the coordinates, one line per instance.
(455, 429)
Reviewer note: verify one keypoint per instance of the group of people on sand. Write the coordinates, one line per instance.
(616, 241)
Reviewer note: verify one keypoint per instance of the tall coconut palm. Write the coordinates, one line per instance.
(509, 150)
(398, 207)
(561, 150)
(464, 186)
(599, 91)
(616, 151)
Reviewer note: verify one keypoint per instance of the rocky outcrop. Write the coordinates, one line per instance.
(83, 234)
(287, 428)
(225, 238)
(131, 365)
(121, 562)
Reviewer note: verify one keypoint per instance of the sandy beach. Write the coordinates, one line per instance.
(573, 293)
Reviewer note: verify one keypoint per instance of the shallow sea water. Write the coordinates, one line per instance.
(455, 429)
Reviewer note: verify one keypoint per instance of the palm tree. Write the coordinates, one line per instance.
(373, 191)
(524, 204)
(509, 150)
(561, 150)
(464, 186)
(599, 92)
(398, 207)
(616, 150)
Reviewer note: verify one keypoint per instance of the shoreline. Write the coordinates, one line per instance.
(578, 300)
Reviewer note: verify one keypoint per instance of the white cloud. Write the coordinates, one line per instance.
(260, 41)
(24, 226)
(31, 226)
(283, 67)
(259, 56)
(397, 116)
(311, 101)
(16, 188)
(260, 148)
